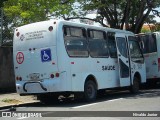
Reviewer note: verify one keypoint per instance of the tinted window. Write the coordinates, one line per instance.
(75, 41)
(122, 46)
(135, 51)
(94, 34)
(97, 44)
(149, 42)
(152, 43)
(145, 45)
(112, 44)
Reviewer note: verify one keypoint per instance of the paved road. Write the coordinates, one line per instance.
(146, 100)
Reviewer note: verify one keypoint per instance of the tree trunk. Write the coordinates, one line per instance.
(127, 15)
(140, 22)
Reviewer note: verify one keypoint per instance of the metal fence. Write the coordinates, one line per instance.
(6, 30)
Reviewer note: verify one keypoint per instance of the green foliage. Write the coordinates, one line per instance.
(6, 100)
(144, 30)
(24, 11)
(128, 14)
(29, 11)
(1, 2)
(157, 27)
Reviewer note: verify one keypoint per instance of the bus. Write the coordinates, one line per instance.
(151, 51)
(57, 57)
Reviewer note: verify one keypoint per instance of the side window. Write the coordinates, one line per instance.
(144, 43)
(112, 44)
(122, 46)
(135, 51)
(149, 42)
(75, 41)
(97, 43)
(95, 34)
(152, 43)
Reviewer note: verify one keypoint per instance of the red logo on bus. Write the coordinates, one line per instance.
(20, 57)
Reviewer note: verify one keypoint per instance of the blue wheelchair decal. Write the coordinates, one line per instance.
(46, 55)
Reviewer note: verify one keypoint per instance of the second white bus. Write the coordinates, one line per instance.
(53, 58)
(150, 43)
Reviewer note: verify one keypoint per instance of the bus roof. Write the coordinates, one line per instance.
(93, 26)
(79, 25)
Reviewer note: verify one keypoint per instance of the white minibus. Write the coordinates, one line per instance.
(57, 57)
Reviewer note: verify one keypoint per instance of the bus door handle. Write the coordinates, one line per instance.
(45, 89)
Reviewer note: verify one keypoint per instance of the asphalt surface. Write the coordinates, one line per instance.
(114, 105)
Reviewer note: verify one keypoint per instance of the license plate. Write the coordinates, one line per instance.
(34, 76)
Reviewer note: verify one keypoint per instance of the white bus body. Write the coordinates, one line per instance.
(151, 51)
(66, 57)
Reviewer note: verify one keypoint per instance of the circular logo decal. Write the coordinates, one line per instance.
(20, 57)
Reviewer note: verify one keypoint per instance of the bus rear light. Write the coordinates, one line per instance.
(57, 74)
(72, 62)
(19, 78)
(18, 34)
(50, 28)
(52, 76)
(158, 64)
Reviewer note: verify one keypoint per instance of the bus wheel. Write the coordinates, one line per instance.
(135, 86)
(90, 91)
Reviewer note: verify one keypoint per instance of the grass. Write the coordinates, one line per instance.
(6, 100)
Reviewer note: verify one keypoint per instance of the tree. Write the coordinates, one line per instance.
(157, 27)
(21, 12)
(128, 14)
(24, 11)
(28, 11)
(1, 3)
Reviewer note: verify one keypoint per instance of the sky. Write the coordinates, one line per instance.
(157, 19)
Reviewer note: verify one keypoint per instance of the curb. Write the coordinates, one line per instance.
(13, 107)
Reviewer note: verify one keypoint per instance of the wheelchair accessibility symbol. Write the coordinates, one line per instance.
(46, 55)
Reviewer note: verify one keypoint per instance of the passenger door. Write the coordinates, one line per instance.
(123, 60)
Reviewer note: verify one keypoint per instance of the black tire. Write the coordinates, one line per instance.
(135, 86)
(90, 91)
